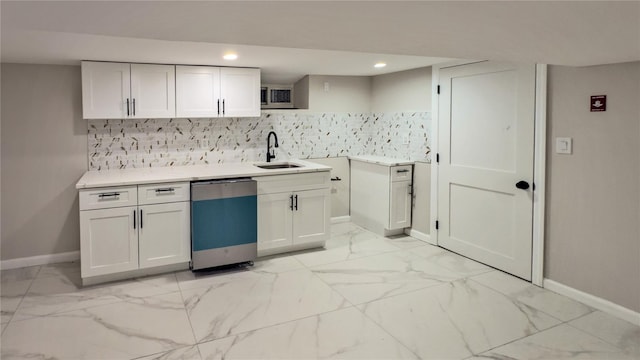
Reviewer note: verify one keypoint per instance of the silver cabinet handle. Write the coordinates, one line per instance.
(140, 218)
(127, 106)
(165, 190)
(223, 107)
(134, 106)
(134, 219)
(218, 106)
(113, 195)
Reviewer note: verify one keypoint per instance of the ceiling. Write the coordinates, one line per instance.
(289, 39)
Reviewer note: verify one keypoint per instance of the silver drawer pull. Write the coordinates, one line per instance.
(402, 171)
(113, 195)
(165, 190)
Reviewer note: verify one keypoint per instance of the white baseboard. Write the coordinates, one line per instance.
(39, 260)
(593, 301)
(340, 219)
(419, 235)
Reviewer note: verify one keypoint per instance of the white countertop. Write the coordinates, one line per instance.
(94, 179)
(381, 160)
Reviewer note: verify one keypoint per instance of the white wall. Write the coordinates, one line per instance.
(404, 91)
(345, 93)
(408, 91)
(593, 198)
(44, 153)
(301, 93)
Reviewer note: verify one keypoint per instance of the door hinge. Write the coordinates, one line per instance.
(438, 89)
(437, 225)
(437, 158)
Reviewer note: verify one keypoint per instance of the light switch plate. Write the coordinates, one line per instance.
(564, 145)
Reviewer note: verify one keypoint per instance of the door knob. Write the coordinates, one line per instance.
(522, 185)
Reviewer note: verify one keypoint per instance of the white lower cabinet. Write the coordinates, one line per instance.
(275, 221)
(293, 212)
(109, 241)
(311, 216)
(400, 205)
(133, 228)
(160, 227)
(381, 196)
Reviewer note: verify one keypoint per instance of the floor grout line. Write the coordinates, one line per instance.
(22, 298)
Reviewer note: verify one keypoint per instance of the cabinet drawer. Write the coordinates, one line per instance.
(294, 182)
(104, 198)
(401, 173)
(163, 193)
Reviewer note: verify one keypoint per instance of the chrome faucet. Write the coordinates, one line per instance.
(272, 154)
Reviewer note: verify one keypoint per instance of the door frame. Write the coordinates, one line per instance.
(539, 162)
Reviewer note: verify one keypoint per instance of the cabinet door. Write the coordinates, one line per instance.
(198, 91)
(105, 90)
(153, 91)
(164, 234)
(400, 205)
(311, 216)
(240, 92)
(274, 221)
(108, 241)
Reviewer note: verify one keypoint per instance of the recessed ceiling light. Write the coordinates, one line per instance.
(230, 56)
(380, 65)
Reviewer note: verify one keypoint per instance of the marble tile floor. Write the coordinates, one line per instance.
(362, 297)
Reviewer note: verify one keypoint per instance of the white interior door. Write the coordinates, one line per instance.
(486, 144)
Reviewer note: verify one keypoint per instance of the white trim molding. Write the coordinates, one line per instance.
(340, 219)
(39, 260)
(419, 235)
(539, 175)
(594, 301)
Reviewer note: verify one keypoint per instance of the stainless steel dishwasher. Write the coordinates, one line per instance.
(224, 222)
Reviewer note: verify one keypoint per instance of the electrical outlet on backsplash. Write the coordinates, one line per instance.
(137, 143)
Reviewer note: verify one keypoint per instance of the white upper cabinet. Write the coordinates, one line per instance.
(240, 92)
(203, 91)
(198, 91)
(153, 91)
(105, 90)
(143, 91)
(126, 91)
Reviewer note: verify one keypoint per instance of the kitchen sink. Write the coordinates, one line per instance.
(280, 165)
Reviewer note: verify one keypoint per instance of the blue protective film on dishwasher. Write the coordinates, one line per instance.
(224, 222)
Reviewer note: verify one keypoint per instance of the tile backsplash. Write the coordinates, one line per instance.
(136, 143)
